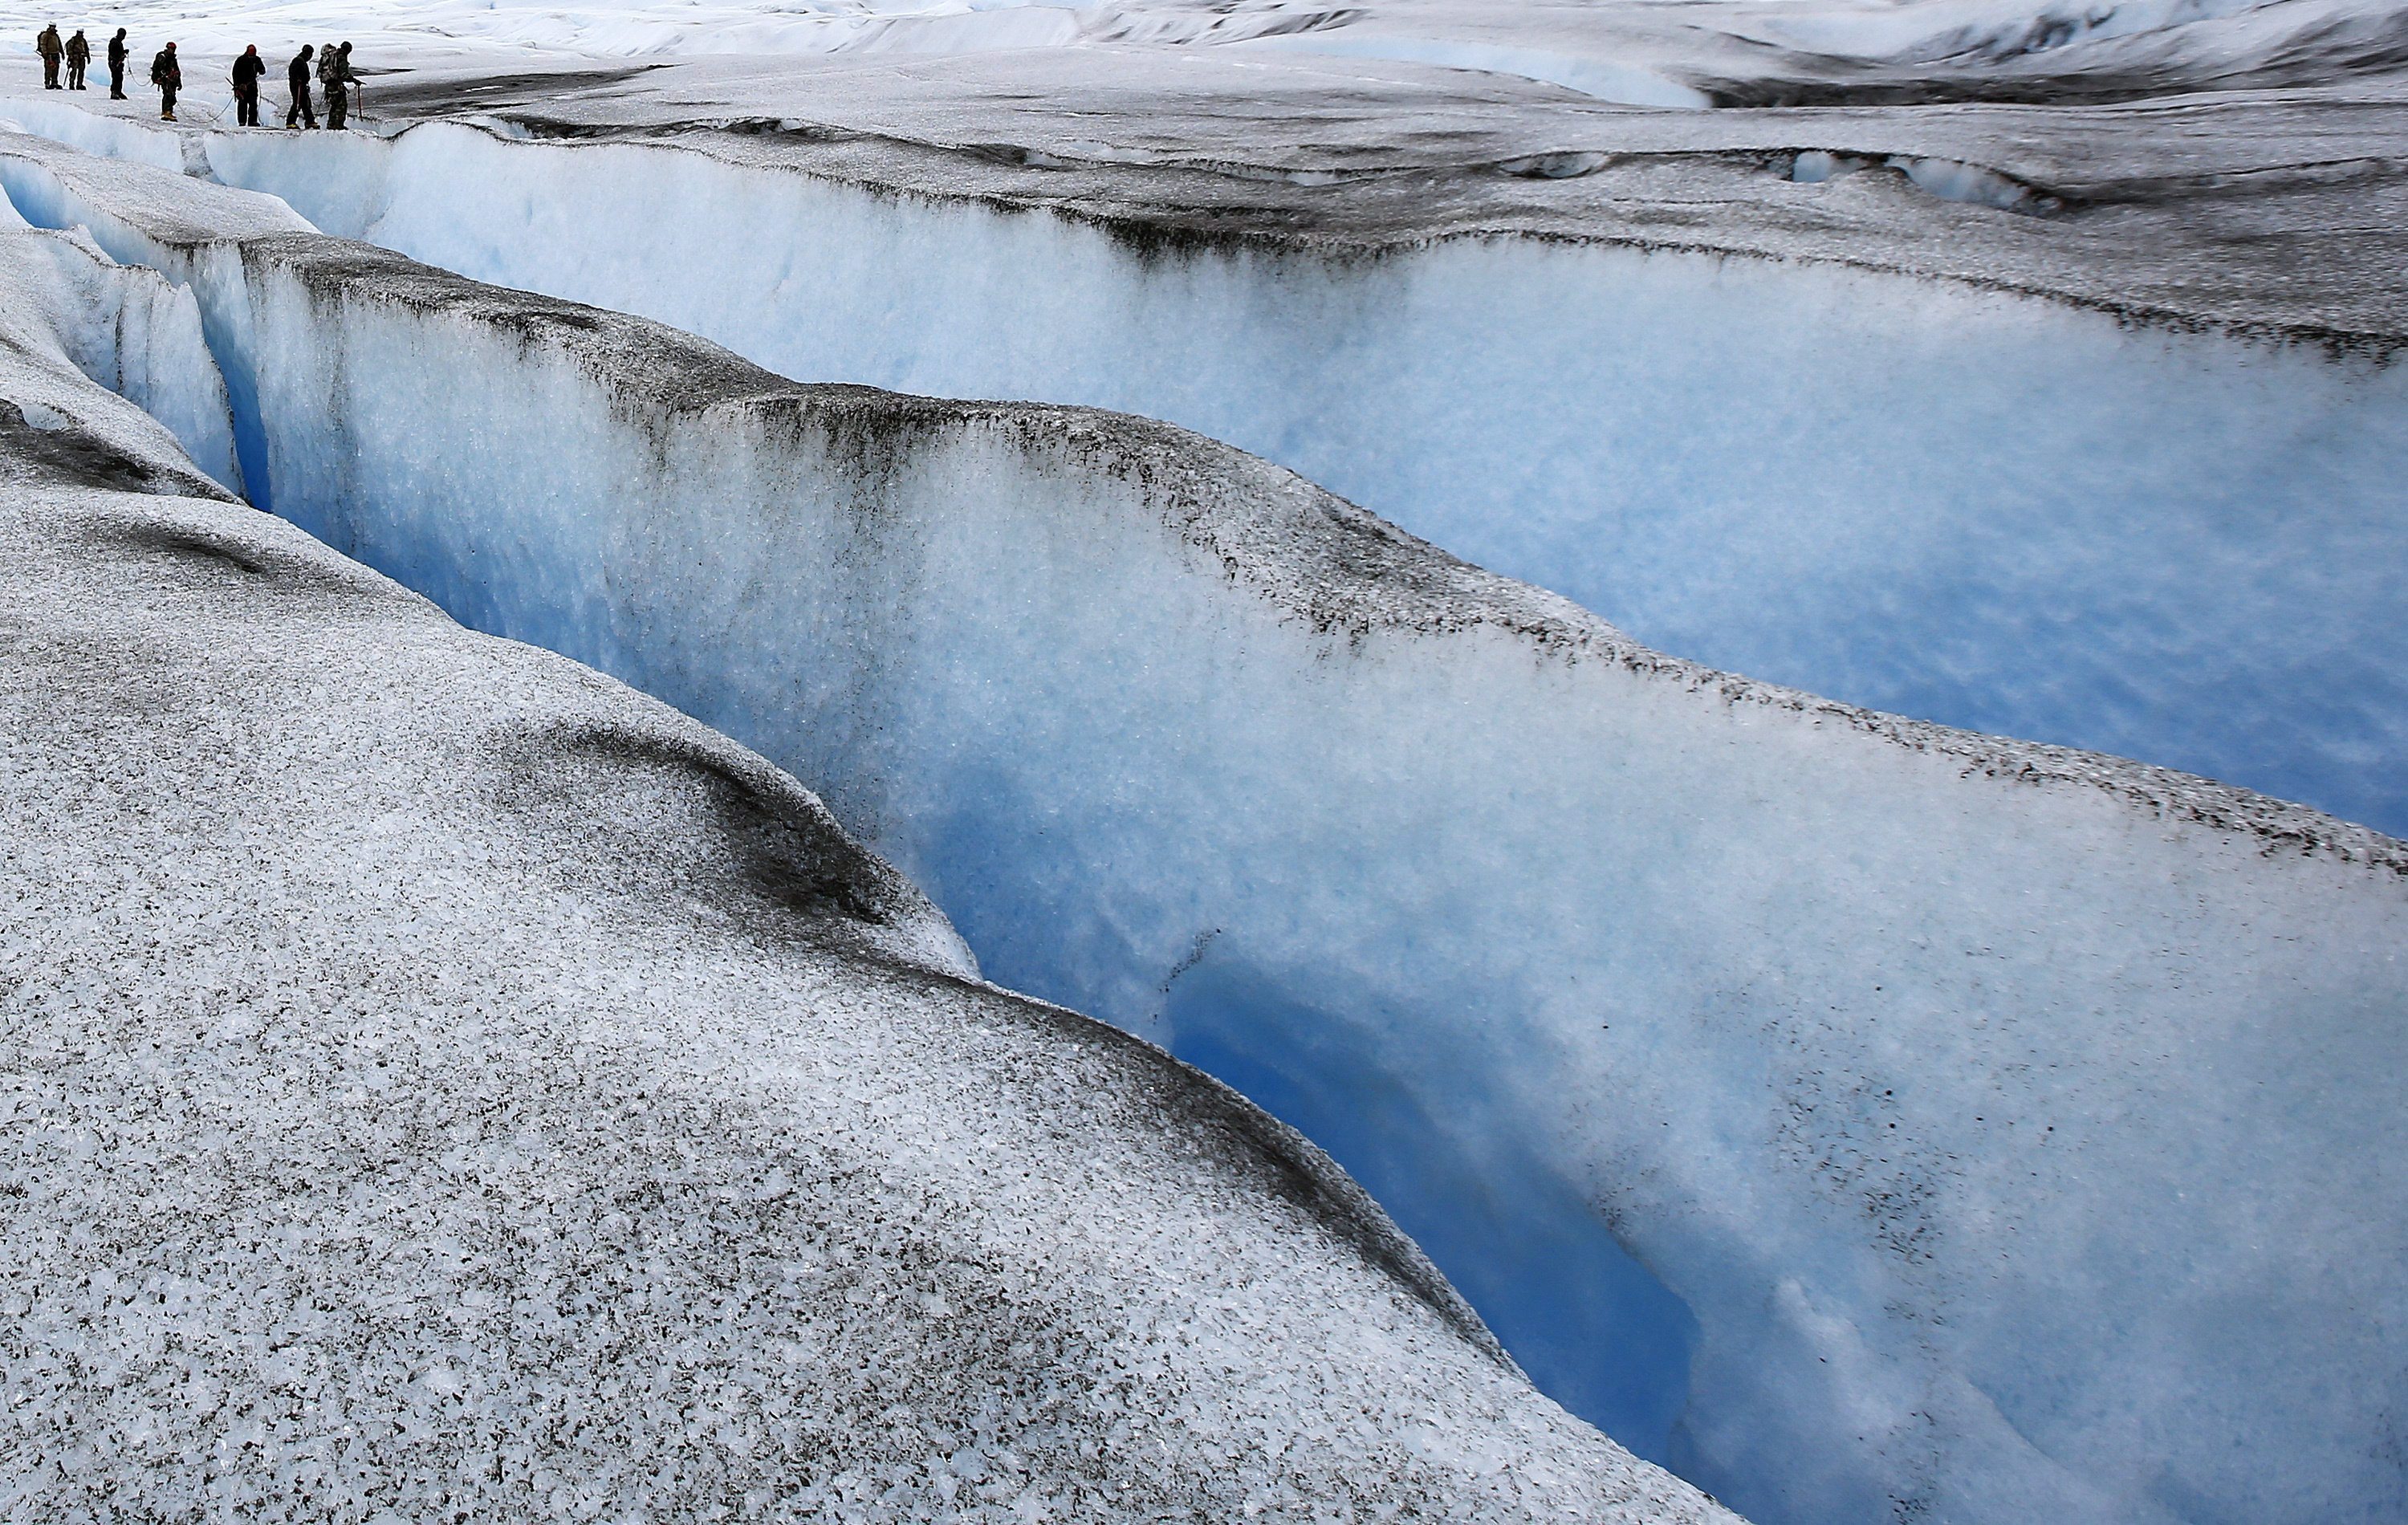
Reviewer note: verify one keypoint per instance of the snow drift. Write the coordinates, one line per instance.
(1999, 513)
(2005, 1132)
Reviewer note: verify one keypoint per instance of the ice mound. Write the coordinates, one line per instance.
(434, 1079)
(1995, 1132)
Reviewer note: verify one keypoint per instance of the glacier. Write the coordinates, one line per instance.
(438, 1081)
(1979, 1127)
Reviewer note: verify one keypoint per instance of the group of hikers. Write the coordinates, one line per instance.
(329, 67)
(76, 54)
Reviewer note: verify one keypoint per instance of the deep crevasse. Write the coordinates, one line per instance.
(1949, 1083)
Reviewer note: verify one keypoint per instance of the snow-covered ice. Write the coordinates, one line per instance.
(434, 1079)
(2003, 1131)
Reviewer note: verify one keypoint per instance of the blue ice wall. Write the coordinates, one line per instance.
(1987, 510)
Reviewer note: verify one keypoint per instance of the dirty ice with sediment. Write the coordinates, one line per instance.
(1745, 656)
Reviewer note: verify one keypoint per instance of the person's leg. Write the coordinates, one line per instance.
(117, 82)
(167, 103)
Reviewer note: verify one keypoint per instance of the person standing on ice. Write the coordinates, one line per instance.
(47, 44)
(247, 70)
(117, 52)
(339, 80)
(78, 59)
(296, 74)
(168, 76)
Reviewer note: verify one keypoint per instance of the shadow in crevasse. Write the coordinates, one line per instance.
(1595, 1329)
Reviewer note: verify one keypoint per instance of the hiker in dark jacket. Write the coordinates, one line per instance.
(168, 76)
(247, 70)
(117, 52)
(47, 44)
(296, 74)
(339, 80)
(78, 59)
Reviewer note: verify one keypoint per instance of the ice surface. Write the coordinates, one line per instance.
(1937, 502)
(2018, 1128)
(1638, 53)
(434, 1080)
